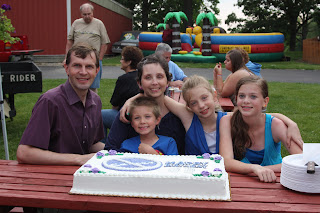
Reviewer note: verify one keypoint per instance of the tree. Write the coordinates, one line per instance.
(286, 16)
(176, 19)
(208, 18)
(148, 14)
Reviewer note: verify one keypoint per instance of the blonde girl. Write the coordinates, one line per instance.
(198, 116)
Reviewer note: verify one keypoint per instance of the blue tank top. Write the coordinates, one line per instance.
(272, 150)
(196, 143)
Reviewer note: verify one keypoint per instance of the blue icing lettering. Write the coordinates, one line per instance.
(169, 164)
(131, 164)
(186, 164)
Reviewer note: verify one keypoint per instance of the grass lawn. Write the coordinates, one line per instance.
(298, 101)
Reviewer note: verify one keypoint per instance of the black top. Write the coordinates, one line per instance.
(126, 87)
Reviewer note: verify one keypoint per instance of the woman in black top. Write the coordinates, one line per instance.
(126, 85)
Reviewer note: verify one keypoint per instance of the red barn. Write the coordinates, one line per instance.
(46, 22)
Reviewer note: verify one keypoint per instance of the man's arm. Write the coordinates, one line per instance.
(103, 50)
(97, 147)
(32, 155)
(68, 46)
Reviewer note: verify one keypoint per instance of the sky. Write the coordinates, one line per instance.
(226, 7)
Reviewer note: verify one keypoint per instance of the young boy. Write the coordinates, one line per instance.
(144, 114)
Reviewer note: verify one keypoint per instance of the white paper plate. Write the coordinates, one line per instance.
(294, 175)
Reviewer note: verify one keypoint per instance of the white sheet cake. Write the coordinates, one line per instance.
(153, 176)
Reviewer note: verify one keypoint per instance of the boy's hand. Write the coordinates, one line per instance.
(147, 149)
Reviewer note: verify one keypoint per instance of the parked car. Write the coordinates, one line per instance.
(128, 38)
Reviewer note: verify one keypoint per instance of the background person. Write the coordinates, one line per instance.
(234, 63)
(178, 76)
(66, 125)
(126, 85)
(252, 66)
(144, 115)
(250, 139)
(153, 79)
(167, 35)
(92, 31)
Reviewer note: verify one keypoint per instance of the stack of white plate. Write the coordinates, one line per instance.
(294, 175)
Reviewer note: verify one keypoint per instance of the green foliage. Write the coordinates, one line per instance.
(291, 17)
(147, 14)
(6, 28)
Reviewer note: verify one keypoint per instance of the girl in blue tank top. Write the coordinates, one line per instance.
(198, 116)
(250, 139)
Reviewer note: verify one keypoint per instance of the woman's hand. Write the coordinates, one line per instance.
(125, 111)
(264, 174)
(125, 108)
(217, 69)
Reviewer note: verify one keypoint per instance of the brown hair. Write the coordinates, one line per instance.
(133, 54)
(193, 82)
(239, 129)
(81, 50)
(145, 101)
(245, 55)
(237, 60)
(153, 59)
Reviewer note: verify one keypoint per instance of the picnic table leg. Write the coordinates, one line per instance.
(29, 210)
(5, 209)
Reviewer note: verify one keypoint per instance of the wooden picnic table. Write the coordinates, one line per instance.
(46, 186)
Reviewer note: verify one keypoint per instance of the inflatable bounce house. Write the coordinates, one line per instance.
(210, 44)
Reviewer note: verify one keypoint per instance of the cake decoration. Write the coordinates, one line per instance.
(206, 156)
(217, 159)
(205, 173)
(99, 155)
(112, 152)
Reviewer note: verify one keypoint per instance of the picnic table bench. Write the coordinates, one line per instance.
(46, 186)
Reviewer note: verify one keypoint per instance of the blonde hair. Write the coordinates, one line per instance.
(195, 81)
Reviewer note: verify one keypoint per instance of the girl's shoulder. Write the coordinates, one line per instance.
(242, 72)
(226, 117)
(276, 122)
